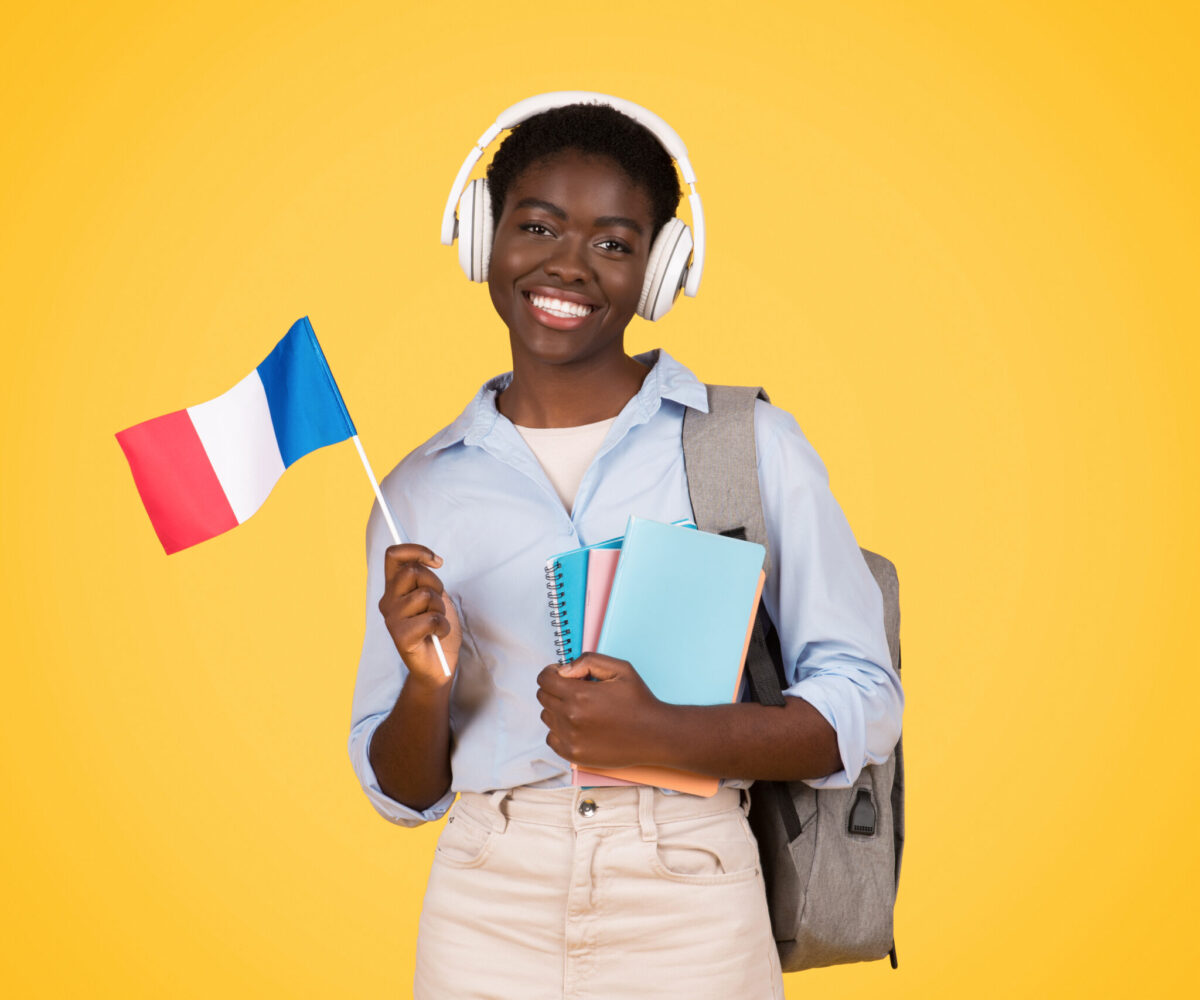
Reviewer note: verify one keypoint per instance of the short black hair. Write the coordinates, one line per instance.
(594, 130)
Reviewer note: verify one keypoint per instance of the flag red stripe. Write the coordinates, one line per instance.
(176, 481)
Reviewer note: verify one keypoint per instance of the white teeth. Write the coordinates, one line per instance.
(559, 307)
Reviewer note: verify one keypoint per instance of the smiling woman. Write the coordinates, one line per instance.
(557, 454)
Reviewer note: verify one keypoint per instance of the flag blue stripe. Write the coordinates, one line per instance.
(306, 406)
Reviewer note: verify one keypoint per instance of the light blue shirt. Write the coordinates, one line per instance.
(475, 494)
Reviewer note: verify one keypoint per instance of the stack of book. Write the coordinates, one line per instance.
(677, 603)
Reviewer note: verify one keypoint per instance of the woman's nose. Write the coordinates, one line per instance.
(568, 262)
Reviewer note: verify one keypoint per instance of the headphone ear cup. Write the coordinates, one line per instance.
(666, 270)
(475, 230)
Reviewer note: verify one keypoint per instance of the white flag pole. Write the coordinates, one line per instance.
(396, 537)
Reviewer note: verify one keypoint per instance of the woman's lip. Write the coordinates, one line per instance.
(559, 293)
(552, 321)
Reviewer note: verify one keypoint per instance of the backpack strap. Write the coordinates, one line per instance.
(721, 462)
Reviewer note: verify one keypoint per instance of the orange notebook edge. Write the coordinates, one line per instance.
(669, 777)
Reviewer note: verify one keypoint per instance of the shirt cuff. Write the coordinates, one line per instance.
(846, 718)
(385, 805)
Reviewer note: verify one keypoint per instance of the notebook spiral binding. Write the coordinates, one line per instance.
(558, 615)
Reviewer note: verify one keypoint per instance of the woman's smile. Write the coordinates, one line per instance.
(557, 309)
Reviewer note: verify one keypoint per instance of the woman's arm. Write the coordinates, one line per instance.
(410, 749)
(600, 713)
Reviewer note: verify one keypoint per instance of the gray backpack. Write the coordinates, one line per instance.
(830, 857)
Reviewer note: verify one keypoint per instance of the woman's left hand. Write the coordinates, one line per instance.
(600, 713)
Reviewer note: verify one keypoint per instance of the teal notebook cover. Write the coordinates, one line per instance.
(679, 610)
(566, 591)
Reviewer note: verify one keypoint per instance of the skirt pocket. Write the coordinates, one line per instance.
(466, 840)
(705, 851)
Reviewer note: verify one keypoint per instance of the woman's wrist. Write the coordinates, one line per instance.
(428, 686)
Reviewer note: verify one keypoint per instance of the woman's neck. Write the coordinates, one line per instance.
(570, 395)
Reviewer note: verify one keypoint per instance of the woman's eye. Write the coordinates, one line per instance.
(536, 228)
(614, 245)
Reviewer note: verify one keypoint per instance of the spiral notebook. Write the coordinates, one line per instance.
(566, 592)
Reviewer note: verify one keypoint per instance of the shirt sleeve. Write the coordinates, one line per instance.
(381, 674)
(824, 601)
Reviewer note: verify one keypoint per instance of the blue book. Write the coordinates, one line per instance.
(681, 607)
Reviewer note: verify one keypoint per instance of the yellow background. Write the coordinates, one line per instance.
(958, 241)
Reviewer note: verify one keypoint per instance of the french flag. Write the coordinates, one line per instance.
(206, 469)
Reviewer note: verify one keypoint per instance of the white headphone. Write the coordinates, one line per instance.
(667, 270)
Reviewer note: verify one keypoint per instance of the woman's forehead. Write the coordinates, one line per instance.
(582, 180)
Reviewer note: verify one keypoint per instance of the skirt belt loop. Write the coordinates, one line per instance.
(496, 800)
(646, 814)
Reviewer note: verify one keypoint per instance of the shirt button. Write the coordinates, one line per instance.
(587, 807)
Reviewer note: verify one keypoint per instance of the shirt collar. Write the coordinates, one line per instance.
(667, 379)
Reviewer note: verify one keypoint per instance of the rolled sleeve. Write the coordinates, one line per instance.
(864, 709)
(824, 602)
(385, 805)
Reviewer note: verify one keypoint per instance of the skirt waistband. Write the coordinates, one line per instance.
(580, 808)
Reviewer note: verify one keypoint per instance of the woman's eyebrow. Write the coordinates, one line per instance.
(548, 206)
(619, 220)
(604, 220)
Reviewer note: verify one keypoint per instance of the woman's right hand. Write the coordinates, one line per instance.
(415, 608)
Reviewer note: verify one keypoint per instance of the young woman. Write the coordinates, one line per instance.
(539, 889)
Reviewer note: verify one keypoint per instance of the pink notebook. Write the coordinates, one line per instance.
(602, 567)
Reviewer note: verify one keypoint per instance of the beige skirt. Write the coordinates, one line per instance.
(601, 893)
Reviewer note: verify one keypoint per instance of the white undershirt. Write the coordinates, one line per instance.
(565, 453)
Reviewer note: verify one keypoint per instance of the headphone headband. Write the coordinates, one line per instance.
(561, 98)
(535, 105)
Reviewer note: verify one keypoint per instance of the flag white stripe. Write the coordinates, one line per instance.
(239, 438)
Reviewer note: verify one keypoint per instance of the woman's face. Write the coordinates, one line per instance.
(569, 257)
